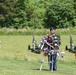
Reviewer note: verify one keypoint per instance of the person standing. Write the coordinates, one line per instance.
(53, 43)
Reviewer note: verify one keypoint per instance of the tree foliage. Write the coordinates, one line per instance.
(37, 13)
(60, 13)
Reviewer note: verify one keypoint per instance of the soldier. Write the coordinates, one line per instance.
(53, 42)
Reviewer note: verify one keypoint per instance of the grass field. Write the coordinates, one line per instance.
(15, 59)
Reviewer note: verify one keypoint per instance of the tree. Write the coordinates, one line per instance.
(7, 12)
(60, 13)
(12, 13)
(35, 13)
(20, 19)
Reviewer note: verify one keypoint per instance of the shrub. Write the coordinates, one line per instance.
(29, 31)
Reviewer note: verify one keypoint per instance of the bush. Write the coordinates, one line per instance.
(29, 31)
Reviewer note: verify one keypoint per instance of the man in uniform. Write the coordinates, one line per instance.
(53, 42)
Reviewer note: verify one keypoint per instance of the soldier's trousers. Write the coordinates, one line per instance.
(52, 62)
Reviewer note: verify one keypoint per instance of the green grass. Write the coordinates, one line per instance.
(15, 59)
(21, 67)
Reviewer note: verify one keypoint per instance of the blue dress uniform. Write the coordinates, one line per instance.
(54, 41)
(52, 60)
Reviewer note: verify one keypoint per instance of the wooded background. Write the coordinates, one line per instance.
(37, 13)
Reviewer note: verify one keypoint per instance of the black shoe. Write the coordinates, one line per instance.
(55, 70)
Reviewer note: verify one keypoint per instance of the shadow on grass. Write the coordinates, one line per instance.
(41, 70)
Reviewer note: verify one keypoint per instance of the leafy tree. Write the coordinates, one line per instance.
(7, 12)
(19, 19)
(60, 13)
(35, 13)
(74, 19)
(12, 13)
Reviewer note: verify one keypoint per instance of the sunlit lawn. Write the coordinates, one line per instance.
(16, 59)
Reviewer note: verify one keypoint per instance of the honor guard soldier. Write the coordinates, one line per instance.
(53, 42)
